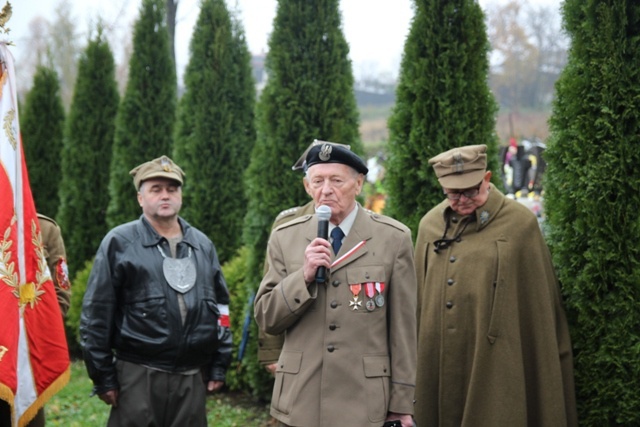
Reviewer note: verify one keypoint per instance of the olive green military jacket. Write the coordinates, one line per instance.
(342, 363)
(55, 254)
(493, 339)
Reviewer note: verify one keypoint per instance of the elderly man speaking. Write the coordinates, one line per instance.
(349, 352)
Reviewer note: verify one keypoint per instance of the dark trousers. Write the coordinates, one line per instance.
(148, 397)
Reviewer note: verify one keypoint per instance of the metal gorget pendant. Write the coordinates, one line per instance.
(179, 272)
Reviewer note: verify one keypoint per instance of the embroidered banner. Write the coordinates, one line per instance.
(34, 359)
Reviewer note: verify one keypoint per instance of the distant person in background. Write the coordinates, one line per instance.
(493, 340)
(56, 256)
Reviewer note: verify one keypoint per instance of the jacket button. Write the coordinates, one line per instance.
(454, 219)
(335, 283)
(332, 327)
(452, 259)
(449, 304)
(330, 348)
(450, 282)
(334, 304)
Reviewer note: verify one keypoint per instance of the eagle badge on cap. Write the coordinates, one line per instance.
(458, 163)
(325, 152)
(166, 165)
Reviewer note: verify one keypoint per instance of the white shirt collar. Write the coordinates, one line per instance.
(347, 223)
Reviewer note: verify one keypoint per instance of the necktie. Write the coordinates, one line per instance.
(336, 235)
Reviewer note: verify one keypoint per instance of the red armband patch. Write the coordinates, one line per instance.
(62, 274)
(224, 319)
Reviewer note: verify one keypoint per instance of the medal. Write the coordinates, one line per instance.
(355, 290)
(379, 298)
(370, 305)
(180, 273)
(370, 291)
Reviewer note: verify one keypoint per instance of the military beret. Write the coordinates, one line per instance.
(462, 167)
(162, 167)
(332, 153)
(302, 160)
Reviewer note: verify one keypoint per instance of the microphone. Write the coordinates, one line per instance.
(323, 213)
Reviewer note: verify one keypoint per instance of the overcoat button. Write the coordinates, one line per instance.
(449, 304)
(335, 283)
(454, 220)
(450, 282)
(334, 304)
(452, 259)
(330, 348)
(332, 327)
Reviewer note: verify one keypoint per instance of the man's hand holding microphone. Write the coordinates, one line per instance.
(317, 256)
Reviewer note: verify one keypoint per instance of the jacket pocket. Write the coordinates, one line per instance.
(145, 325)
(361, 276)
(286, 387)
(377, 372)
(499, 291)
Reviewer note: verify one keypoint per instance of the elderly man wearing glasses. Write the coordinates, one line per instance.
(493, 340)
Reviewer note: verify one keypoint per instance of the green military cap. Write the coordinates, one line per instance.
(300, 163)
(162, 167)
(462, 167)
(332, 153)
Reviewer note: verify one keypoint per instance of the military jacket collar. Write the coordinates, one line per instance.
(150, 236)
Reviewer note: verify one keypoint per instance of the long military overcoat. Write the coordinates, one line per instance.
(342, 364)
(493, 341)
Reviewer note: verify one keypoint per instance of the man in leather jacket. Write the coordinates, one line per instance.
(155, 319)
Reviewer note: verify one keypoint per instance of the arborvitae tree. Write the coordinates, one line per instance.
(591, 205)
(215, 129)
(42, 124)
(146, 116)
(309, 95)
(86, 153)
(443, 101)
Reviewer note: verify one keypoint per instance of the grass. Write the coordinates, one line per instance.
(72, 406)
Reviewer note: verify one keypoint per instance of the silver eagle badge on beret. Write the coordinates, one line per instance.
(325, 153)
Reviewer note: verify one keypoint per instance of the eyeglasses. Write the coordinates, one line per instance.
(468, 193)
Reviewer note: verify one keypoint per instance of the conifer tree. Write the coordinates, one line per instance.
(591, 205)
(215, 128)
(443, 101)
(308, 95)
(42, 124)
(146, 116)
(86, 153)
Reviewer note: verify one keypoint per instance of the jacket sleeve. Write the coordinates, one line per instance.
(96, 323)
(222, 357)
(56, 257)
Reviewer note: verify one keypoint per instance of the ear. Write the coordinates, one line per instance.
(139, 199)
(359, 183)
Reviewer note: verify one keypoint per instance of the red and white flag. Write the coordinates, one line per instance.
(34, 359)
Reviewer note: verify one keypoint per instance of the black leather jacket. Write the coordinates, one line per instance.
(130, 310)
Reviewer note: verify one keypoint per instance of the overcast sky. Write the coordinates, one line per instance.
(374, 29)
